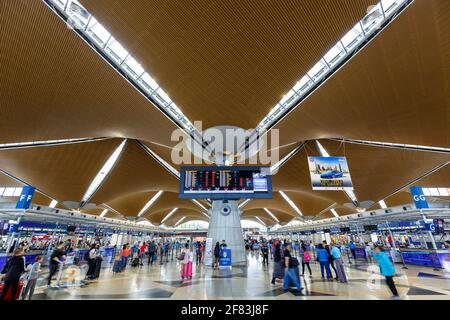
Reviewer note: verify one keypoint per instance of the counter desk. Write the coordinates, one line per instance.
(426, 257)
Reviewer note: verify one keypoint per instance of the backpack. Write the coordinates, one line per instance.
(306, 256)
(294, 262)
(181, 256)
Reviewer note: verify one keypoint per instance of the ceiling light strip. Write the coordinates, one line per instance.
(104, 212)
(150, 203)
(271, 215)
(242, 204)
(333, 211)
(53, 203)
(382, 204)
(179, 221)
(260, 220)
(412, 147)
(347, 47)
(98, 38)
(45, 143)
(103, 173)
(291, 203)
(169, 215)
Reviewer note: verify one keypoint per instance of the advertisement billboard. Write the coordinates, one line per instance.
(329, 173)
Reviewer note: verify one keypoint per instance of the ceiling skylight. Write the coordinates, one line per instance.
(343, 50)
(44, 142)
(104, 42)
(396, 145)
(103, 173)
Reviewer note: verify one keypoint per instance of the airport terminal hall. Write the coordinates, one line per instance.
(272, 152)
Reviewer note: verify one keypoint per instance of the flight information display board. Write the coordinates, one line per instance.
(214, 182)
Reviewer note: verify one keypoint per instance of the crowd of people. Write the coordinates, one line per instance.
(288, 256)
(290, 261)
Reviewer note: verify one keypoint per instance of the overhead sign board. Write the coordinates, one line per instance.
(329, 173)
(25, 197)
(419, 198)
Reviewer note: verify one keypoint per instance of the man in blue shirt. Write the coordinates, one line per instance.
(339, 263)
(352, 247)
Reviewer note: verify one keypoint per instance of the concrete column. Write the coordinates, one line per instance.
(225, 224)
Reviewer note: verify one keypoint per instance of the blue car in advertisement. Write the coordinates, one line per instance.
(331, 175)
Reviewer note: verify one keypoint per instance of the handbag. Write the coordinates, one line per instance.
(294, 262)
(181, 256)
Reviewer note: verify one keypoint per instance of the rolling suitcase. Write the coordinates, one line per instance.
(135, 262)
(98, 267)
(117, 267)
(8, 294)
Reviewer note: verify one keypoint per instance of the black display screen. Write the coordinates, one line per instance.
(225, 183)
(345, 229)
(371, 228)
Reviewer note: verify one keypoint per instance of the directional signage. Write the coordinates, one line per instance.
(25, 197)
(419, 198)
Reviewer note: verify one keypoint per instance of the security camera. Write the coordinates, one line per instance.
(225, 210)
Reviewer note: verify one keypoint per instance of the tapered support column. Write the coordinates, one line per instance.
(225, 224)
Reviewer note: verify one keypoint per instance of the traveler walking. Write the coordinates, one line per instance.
(331, 260)
(387, 269)
(306, 259)
(336, 253)
(56, 259)
(352, 247)
(278, 264)
(151, 252)
(33, 274)
(124, 254)
(265, 253)
(11, 273)
(216, 255)
(291, 270)
(322, 258)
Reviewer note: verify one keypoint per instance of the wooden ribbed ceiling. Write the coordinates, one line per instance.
(397, 89)
(135, 171)
(223, 62)
(54, 86)
(227, 62)
(64, 172)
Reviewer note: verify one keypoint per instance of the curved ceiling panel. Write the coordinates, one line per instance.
(377, 172)
(135, 171)
(395, 90)
(55, 86)
(239, 56)
(64, 172)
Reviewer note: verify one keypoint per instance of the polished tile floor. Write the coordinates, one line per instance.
(251, 282)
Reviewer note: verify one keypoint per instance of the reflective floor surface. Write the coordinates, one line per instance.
(251, 282)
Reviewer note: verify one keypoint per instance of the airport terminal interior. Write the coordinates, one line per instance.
(215, 150)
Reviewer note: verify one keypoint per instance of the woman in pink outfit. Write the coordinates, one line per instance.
(186, 258)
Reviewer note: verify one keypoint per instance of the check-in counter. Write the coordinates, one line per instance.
(426, 257)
